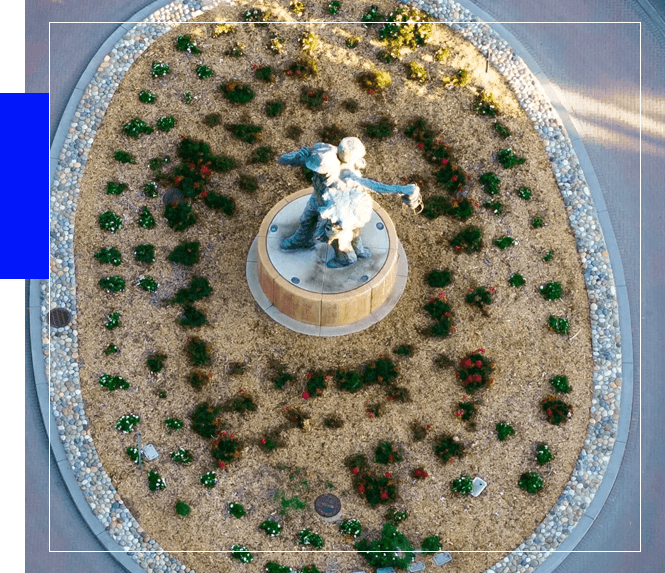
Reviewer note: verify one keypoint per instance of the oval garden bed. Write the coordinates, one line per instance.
(486, 357)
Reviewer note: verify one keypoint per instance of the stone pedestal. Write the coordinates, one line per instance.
(300, 286)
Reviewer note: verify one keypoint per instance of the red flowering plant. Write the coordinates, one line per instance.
(466, 411)
(227, 448)
(475, 371)
(387, 453)
(441, 312)
(316, 384)
(446, 448)
(480, 297)
(297, 418)
(357, 463)
(419, 473)
(419, 431)
(270, 441)
(375, 410)
(557, 411)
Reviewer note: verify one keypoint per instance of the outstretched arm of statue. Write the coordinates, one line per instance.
(410, 193)
(294, 157)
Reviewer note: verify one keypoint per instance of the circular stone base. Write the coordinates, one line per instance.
(299, 291)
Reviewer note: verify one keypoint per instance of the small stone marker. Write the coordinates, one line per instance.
(416, 566)
(385, 570)
(173, 195)
(441, 558)
(150, 452)
(479, 485)
(328, 506)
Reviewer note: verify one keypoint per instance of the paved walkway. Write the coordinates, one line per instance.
(594, 71)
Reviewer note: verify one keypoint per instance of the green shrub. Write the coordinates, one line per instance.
(543, 454)
(371, 16)
(204, 420)
(349, 381)
(504, 431)
(334, 6)
(166, 123)
(446, 448)
(186, 44)
(303, 69)
(241, 553)
(185, 254)
(490, 183)
(203, 72)
(404, 350)
(551, 291)
(531, 482)
(182, 456)
(155, 482)
(486, 105)
(516, 280)
(212, 119)
(524, 193)
(495, 206)
(266, 74)
(387, 453)
(135, 127)
(113, 320)
(240, 404)
(431, 544)
(350, 105)
(393, 549)
(109, 221)
(460, 79)
(111, 349)
(113, 188)
(111, 255)
(440, 311)
(124, 157)
(316, 384)
(352, 43)
(381, 130)
(462, 485)
(236, 92)
(438, 205)
(276, 44)
(548, 256)
(112, 284)
(220, 203)
(466, 411)
(236, 51)
(395, 516)
(307, 537)
(113, 382)
(262, 155)
(133, 454)
(146, 220)
(560, 384)
(537, 222)
(274, 108)
(173, 424)
(504, 242)
(382, 371)
(179, 215)
(272, 567)
(386, 57)
(155, 362)
(479, 297)
(222, 30)
(272, 528)
(208, 479)
(181, 508)
(502, 130)
(191, 317)
(237, 510)
(508, 159)
(126, 423)
(559, 325)
(144, 253)
(156, 163)
(150, 190)
(439, 279)
(419, 431)
(147, 97)
(247, 183)
(148, 284)
(406, 27)
(199, 288)
(197, 350)
(470, 239)
(351, 527)
(198, 380)
(244, 132)
(451, 177)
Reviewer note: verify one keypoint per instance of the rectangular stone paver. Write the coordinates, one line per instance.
(479, 485)
(441, 558)
(385, 570)
(150, 453)
(416, 566)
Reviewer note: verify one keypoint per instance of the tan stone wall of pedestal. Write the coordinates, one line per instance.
(325, 309)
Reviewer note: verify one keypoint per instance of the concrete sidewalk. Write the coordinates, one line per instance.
(594, 69)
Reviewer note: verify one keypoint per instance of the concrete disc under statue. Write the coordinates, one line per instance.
(300, 292)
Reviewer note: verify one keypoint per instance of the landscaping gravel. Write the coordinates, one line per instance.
(61, 355)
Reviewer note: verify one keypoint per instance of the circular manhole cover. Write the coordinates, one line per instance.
(173, 195)
(328, 505)
(59, 317)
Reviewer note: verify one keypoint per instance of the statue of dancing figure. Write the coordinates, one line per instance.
(339, 205)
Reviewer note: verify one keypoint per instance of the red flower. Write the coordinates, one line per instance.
(182, 137)
(223, 434)
(311, 93)
(479, 363)
(354, 471)
(288, 73)
(444, 161)
(196, 185)
(287, 408)
(305, 395)
(380, 378)
(221, 464)
(370, 91)
(371, 415)
(454, 177)
(205, 170)
(191, 166)
(178, 179)
(468, 363)
(325, 98)
(263, 440)
(390, 458)
(209, 374)
(426, 474)
(384, 495)
(204, 194)
(297, 72)
(254, 66)
(389, 398)
(418, 472)
(459, 413)
(549, 412)
(388, 474)
(361, 489)
(421, 145)
(427, 426)
(431, 299)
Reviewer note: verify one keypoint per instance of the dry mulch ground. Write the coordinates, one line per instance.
(514, 332)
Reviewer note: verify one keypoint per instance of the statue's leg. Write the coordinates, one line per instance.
(303, 238)
(341, 258)
(360, 250)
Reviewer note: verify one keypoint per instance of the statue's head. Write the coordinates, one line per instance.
(351, 151)
(323, 159)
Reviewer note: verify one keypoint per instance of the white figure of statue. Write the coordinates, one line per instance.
(339, 205)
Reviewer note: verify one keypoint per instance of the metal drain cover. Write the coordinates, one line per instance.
(173, 195)
(59, 317)
(327, 505)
